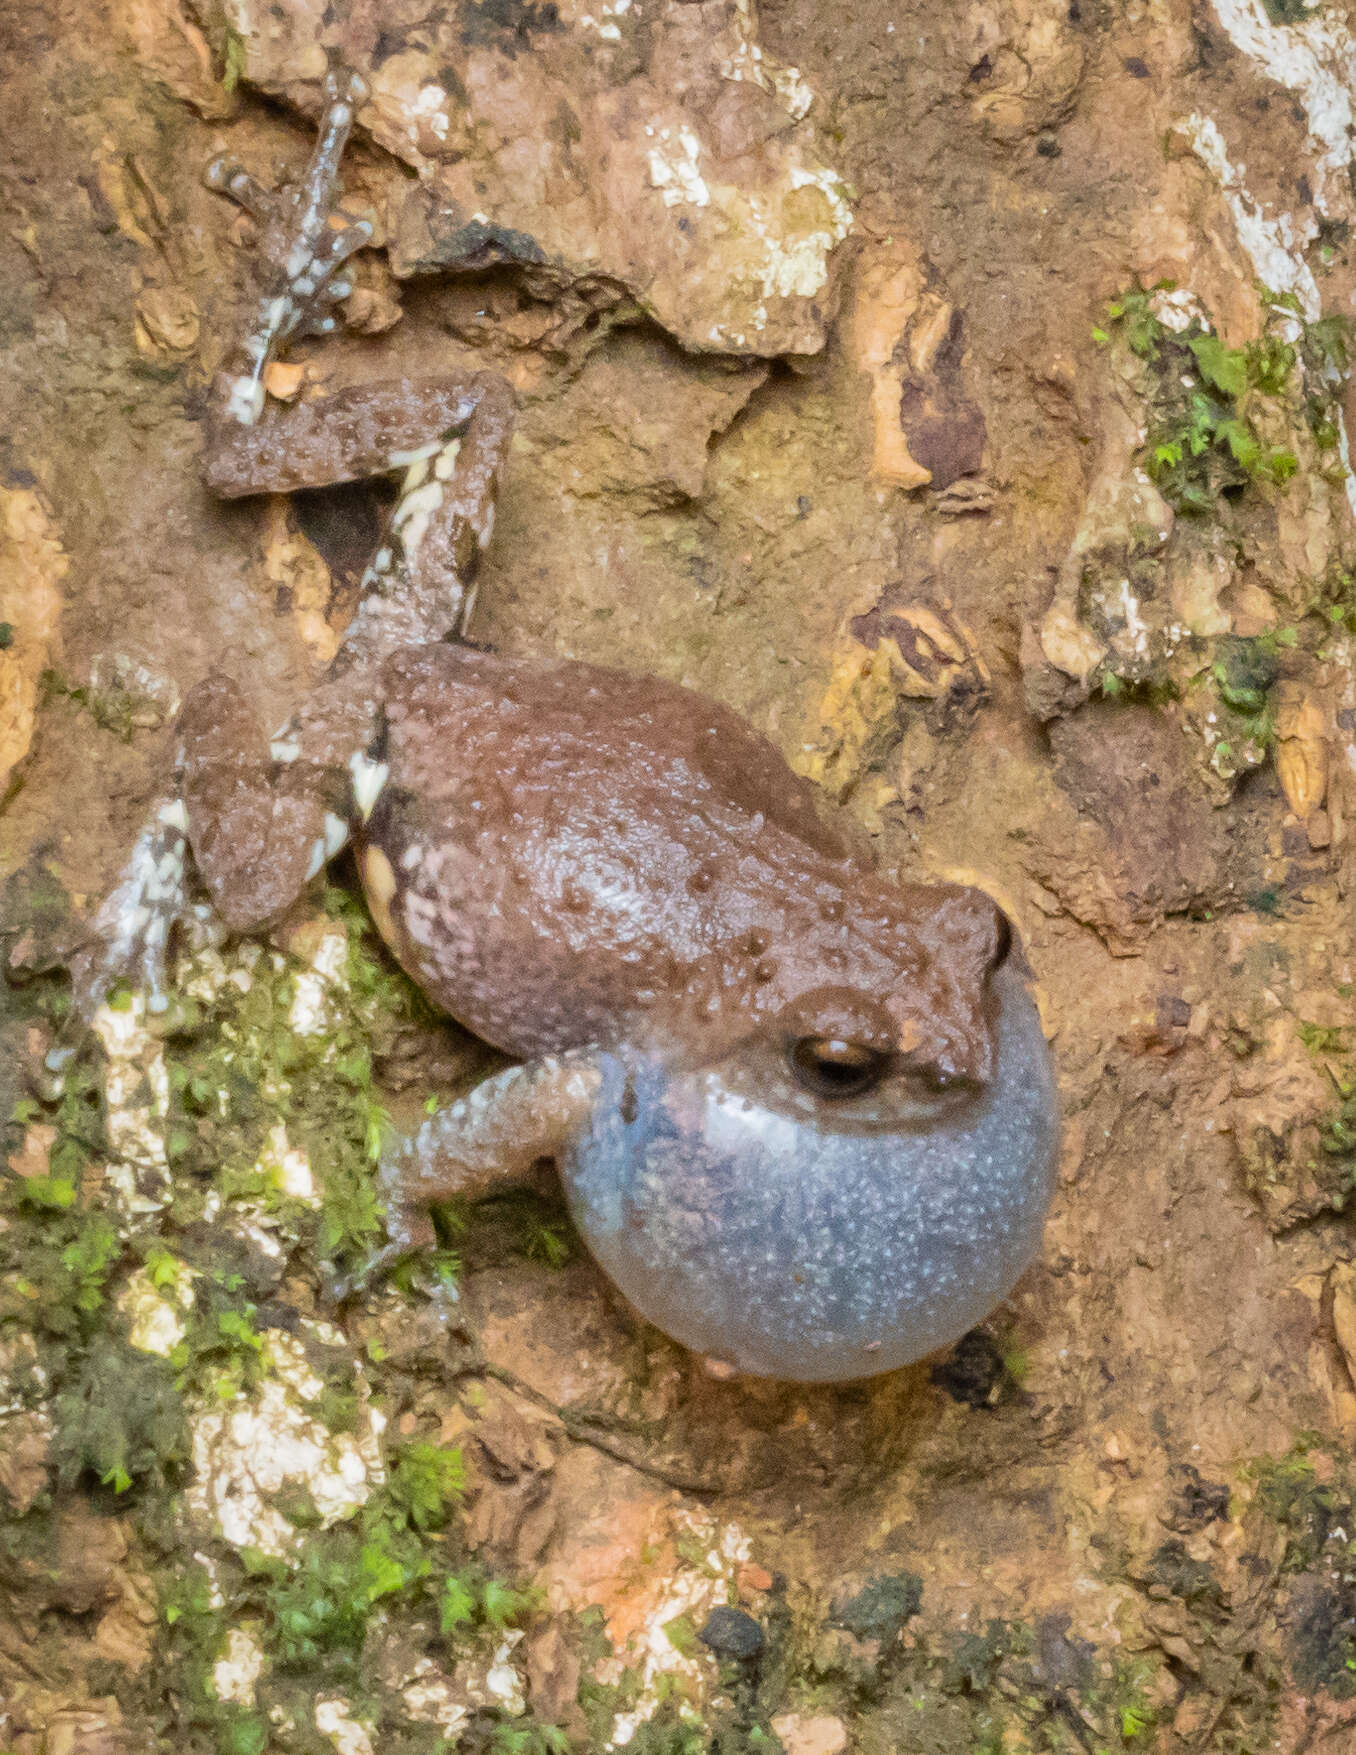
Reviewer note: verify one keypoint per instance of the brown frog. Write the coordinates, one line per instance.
(805, 1118)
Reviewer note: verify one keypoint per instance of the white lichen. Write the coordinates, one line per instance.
(1314, 58)
(236, 1673)
(316, 987)
(695, 1588)
(286, 1167)
(747, 61)
(1177, 308)
(334, 1719)
(248, 1452)
(155, 1313)
(1273, 245)
(797, 262)
(136, 1095)
(673, 168)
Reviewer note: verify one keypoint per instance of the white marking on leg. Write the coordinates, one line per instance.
(336, 833)
(246, 402)
(174, 815)
(414, 513)
(284, 749)
(368, 779)
(425, 499)
(406, 459)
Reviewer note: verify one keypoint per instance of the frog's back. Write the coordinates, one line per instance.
(557, 841)
(534, 719)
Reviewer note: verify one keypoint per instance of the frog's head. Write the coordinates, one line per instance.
(902, 988)
(814, 1201)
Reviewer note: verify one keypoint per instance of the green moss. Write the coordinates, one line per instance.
(242, 1732)
(1203, 441)
(426, 1483)
(529, 1739)
(1316, 1608)
(883, 1607)
(238, 1067)
(1331, 1047)
(318, 1607)
(1289, 1494)
(56, 1257)
(234, 59)
(112, 707)
(323, 1617)
(221, 1356)
(1325, 1039)
(119, 1417)
(1333, 600)
(1243, 673)
(1151, 691)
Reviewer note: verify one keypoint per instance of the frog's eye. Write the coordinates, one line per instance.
(828, 1066)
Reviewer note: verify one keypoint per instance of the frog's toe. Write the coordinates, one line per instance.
(305, 237)
(408, 1231)
(320, 284)
(131, 934)
(344, 85)
(227, 176)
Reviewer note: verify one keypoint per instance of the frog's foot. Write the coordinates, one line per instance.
(304, 244)
(408, 1230)
(494, 1138)
(131, 932)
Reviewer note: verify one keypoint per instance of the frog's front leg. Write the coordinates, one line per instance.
(488, 1141)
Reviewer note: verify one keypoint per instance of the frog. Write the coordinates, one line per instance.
(804, 1115)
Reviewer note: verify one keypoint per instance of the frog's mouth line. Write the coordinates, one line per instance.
(758, 1071)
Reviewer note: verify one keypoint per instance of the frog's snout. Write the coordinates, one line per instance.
(818, 1246)
(952, 1041)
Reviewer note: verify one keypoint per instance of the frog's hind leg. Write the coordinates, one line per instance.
(130, 934)
(254, 819)
(421, 583)
(303, 246)
(449, 435)
(264, 815)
